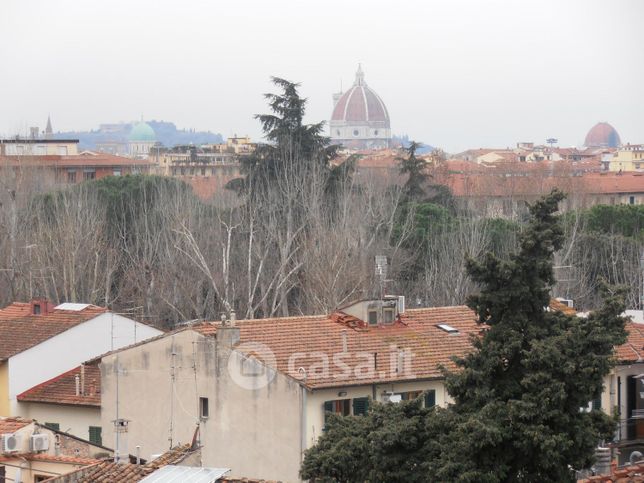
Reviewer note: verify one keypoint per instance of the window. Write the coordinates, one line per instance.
(87, 175)
(360, 406)
(203, 171)
(631, 200)
(95, 436)
(203, 408)
(339, 406)
(410, 395)
(375, 133)
(116, 172)
(388, 316)
(430, 398)
(71, 176)
(356, 132)
(41, 150)
(372, 317)
(54, 426)
(39, 478)
(62, 150)
(36, 309)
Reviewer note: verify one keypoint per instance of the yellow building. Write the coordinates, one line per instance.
(629, 157)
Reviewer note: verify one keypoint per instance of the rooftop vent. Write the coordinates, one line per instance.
(447, 328)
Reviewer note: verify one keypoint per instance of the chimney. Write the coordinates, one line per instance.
(41, 307)
(82, 379)
(77, 380)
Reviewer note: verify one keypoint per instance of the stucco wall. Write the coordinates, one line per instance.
(255, 432)
(315, 400)
(68, 349)
(4, 389)
(75, 420)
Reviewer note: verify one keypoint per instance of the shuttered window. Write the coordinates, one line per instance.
(430, 399)
(360, 406)
(95, 436)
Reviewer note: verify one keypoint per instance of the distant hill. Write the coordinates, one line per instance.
(166, 133)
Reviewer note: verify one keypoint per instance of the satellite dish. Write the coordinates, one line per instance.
(635, 457)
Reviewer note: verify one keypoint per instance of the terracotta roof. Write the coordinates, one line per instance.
(62, 389)
(534, 179)
(20, 330)
(110, 472)
(11, 425)
(305, 337)
(625, 474)
(633, 349)
(559, 306)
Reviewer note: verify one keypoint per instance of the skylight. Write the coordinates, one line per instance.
(71, 306)
(447, 328)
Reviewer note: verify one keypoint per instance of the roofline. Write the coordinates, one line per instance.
(376, 383)
(38, 141)
(57, 431)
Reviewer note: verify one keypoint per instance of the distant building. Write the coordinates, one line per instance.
(38, 147)
(141, 140)
(72, 167)
(602, 135)
(629, 157)
(40, 341)
(360, 119)
(32, 452)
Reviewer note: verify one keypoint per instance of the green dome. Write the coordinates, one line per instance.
(142, 132)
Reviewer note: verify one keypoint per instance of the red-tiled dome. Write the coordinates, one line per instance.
(360, 104)
(603, 135)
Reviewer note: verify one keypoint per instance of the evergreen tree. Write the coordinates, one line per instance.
(292, 149)
(414, 168)
(517, 396)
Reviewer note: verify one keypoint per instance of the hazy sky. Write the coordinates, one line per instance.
(452, 73)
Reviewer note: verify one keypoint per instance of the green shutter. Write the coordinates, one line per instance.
(328, 408)
(54, 426)
(430, 398)
(95, 436)
(360, 406)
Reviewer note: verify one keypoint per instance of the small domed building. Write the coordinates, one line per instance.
(141, 139)
(602, 135)
(360, 119)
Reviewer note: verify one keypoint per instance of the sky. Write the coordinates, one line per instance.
(456, 74)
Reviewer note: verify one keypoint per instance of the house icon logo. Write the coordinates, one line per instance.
(252, 365)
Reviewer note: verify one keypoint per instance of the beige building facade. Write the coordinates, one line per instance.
(629, 157)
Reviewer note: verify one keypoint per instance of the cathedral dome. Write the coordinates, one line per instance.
(142, 131)
(360, 104)
(602, 135)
